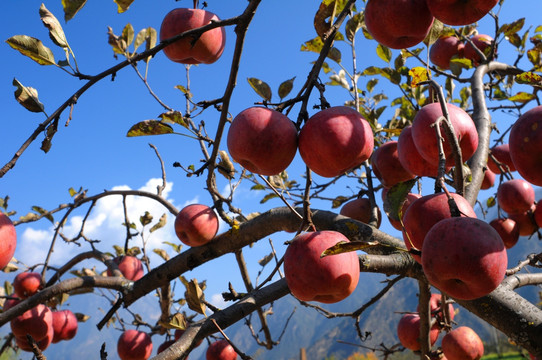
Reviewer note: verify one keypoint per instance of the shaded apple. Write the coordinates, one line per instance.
(360, 209)
(537, 214)
(408, 332)
(8, 240)
(444, 49)
(464, 257)
(525, 221)
(134, 345)
(489, 179)
(526, 145)
(483, 43)
(196, 224)
(311, 277)
(179, 332)
(36, 322)
(387, 167)
(508, 230)
(335, 140)
(515, 196)
(163, 346)
(262, 140)
(410, 157)
(220, 350)
(435, 306)
(462, 343)
(460, 12)
(64, 325)
(130, 267)
(27, 284)
(22, 341)
(502, 155)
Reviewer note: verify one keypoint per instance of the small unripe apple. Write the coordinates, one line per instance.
(196, 224)
(444, 49)
(335, 140)
(134, 345)
(262, 140)
(311, 277)
(408, 331)
(483, 43)
(526, 145)
(515, 196)
(27, 284)
(462, 343)
(508, 230)
(8, 240)
(64, 325)
(387, 167)
(502, 155)
(130, 267)
(360, 209)
(220, 350)
(205, 49)
(460, 12)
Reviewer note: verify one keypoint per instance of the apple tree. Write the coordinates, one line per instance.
(407, 136)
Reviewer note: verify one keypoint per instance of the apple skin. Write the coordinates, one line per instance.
(196, 224)
(444, 49)
(526, 145)
(489, 180)
(464, 257)
(37, 322)
(435, 305)
(360, 210)
(64, 325)
(398, 24)
(8, 240)
(335, 140)
(482, 42)
(262, 140)
(537, 214)
(134, 345)
(410, 158)
(22, 341)
(27, 284)
(425, 138)
(526, 222)
(462, 343)
(508, 230)
(311, 278)
(207, 49)
(460, 12)
(515, 196)
(387, 167)
(408, 331)
(220, 350)
(130, 267)
(502, 154)
(427, 211)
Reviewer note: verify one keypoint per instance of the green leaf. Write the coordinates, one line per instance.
(162, 253)
(117, 43)
(395, 198)
(145, 219)
(55, 29)
(175, 247)
(160, 224)
(33, 48)
(371, 84)
(257, 187)
(44, 213)
(128, 34)
(123, 5)
(344, 247)
(261, 88)
(174, 117)
(353, 25)
(522, 97)
(434, 33)
(285, 87)
(147, 36)
(27, 97)
(491, 202)
(149, 127)
(335, 55)
(512, 28)
(268, 197)
(338, 201)
(529, 78)
(71, 7)
(314, 45)
(383, 52)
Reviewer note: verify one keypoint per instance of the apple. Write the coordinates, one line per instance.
(489, 179)
(408, 331)
(8, 240)
(435, 305)
(196, 224)
(526, 145)
(460, 12)
(444, 49)
(395, 216)
(537, 214)
(36, 322)
(335, 140)
(398, 24)
(464, 257)
(508, 230)
(360, 209)
(64, 325)
(387, 167)
(410, 158)
(134, 345)
(312, 278)
(427, 211)
(515, 196)
(502, 155)
(206, 49)
(526, 222)
(425, 137)
(462, 343)
(483, 43)
(262, 140)
(220, 350)
(130, 267)
(27, 284)
(163, 346)
(22, 341)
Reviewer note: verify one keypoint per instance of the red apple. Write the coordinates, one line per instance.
(462, 343)
(526, 222)
(464, 257)
(134, 345)
(220, 350)
(312, 278)
(64, 325)
(408, 331)
(130, 267)
(425, 137)
(515, 196)
(526, 145)
(8, 240)
(196, 224)
(37, 322)
(435, 304)
(537, 214)
(508, 230)
(483, 43)
(387, 167)
(262, 140)
(22, 341)
(489, 180)
(163, 346)
(398, 24)
(360, 209)
(395, 216)
(410, 158)
(502, 155)
(460, 12)
(335, 140)
(206, 49)
(444, 49)
(424, 213)
(27, 284)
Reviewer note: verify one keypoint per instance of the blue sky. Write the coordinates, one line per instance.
(93, 151)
